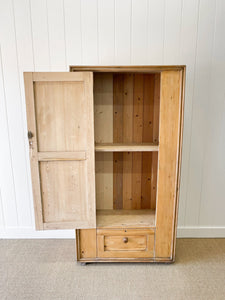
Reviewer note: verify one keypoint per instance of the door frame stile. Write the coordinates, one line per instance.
(34, 164)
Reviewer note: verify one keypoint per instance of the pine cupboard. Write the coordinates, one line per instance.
(105, 151)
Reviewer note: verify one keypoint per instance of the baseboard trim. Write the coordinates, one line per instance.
(200, 232)
(30, 233)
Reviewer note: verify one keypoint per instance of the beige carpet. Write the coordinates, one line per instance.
(46, 269)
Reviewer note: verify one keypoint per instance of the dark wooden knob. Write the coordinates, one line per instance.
(125, 239)
(30, 135)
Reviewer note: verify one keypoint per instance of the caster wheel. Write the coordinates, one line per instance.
(83, 264)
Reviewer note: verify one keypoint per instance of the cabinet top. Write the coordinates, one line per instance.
(146, 68)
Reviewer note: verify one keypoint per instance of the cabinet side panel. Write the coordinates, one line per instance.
(86, 243)
(170, 108)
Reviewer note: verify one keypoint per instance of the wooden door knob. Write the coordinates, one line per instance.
(125, 239)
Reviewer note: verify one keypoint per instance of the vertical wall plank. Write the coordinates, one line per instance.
(56, 31)
(122, 32)
(14, 114)
(23, 35)
(106, 32)
(89, 15)
(155, 37)
(188, 42)
(139, 32)
(73, 39)
(173, 10)
(2, 223)
(9, 205)
(25, 59)
(200, 111)
(212, 197)
(39, 19)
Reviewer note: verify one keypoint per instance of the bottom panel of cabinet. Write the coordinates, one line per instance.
(117, 245)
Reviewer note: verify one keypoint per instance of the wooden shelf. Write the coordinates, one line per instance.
(132, 147)
(109, 218)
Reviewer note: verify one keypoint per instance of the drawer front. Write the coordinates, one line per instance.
(126, 243)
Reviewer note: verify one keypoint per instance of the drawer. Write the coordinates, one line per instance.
(125, 243)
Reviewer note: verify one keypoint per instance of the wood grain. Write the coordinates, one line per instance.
(126, 147)
(155, 139)
(60, 116)
(87, 243)
(110, 243)
(103, 122)
(147, 135)
(118, 86)
(50, 156)
(127, 138)
(133, 126)
(130, 218)
(169, 135)
(123, 69)
(137, 138)
(31, 123)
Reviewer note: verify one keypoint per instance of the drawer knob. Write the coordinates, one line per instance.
(125, 239)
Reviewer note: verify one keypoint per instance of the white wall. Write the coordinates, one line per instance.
(50, 35)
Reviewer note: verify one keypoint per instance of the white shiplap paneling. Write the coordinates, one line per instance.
(73, 36)
(90, 39)
(8, 198)
(139, 30)
(40, 35)
(56, 34)
(188, 43)
(106, 32)
(122, 32)
(156, 31)
(15, 122)
(212, 210)
(49, 35)
(173, 14)
(200, 109)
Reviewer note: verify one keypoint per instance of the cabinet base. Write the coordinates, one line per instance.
(130, 260)
(117, 245)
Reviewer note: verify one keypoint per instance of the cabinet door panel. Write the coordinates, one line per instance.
(60, 119)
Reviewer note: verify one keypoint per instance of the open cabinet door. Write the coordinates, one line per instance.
(61, 139)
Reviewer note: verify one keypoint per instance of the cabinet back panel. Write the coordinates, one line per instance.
(104, 180)
(103, 107)
(126, 111)
(135, 119)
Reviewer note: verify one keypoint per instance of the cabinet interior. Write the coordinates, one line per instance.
(126, 122)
